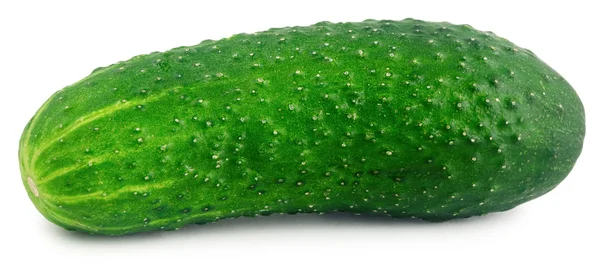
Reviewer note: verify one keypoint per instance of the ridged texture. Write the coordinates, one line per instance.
(407, 118)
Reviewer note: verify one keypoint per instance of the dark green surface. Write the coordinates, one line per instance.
(407, 118)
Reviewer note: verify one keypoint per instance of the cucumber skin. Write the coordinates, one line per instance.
(405, 118)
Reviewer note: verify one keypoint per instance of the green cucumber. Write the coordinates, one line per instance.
(404, 118)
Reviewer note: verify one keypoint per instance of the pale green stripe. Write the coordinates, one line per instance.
(84, 120)
(65, 170)
(25, 140)
(53, 211)
(109, 194)
(56, 211)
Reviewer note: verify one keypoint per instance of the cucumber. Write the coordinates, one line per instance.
(406, 118)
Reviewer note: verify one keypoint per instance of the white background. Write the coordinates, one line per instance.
(46, 45)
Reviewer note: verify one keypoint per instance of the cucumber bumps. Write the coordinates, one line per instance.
(405, 118)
